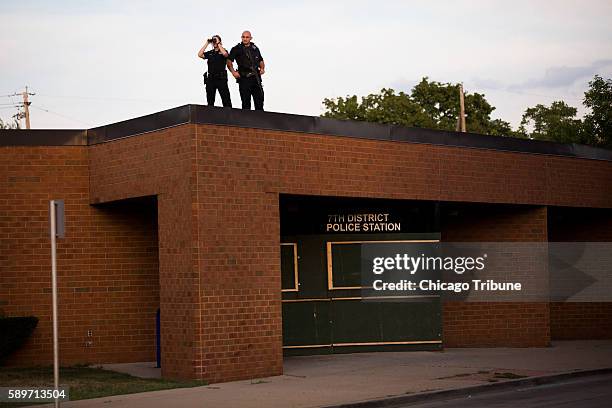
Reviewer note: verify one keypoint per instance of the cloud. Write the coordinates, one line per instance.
(563, 76)
(485, 83)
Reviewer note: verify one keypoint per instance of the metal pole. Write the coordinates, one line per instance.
(26, 106)
(461, 108)
(54, 300)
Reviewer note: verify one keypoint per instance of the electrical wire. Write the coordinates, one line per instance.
(110, 98)
(60, 115)
(539, 95)
(116, 99)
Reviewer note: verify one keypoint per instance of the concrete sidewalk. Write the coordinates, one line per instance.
(319, 381)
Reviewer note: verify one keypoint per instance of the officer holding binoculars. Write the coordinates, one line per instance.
(216, 77)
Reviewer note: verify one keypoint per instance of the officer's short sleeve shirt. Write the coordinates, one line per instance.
(238, 54)
(216, 61)
(233, 53)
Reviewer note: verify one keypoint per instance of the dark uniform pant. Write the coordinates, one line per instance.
(250, 87)
(220, 84)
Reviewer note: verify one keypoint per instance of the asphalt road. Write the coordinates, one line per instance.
(592, 392)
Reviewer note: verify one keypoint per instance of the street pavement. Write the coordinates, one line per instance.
(584, 392)
(321, 381)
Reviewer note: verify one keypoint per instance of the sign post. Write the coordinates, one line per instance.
(56, 224)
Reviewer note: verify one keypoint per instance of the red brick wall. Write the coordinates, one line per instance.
(107, 264)
(242, 171)
(478, 324)
(161, 163)
(578, 183)
(239, 250)
(124, 281)
(588, 320)
(217, 191)
(325, 165)
(581, 321)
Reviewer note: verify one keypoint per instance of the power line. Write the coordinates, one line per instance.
(539, 95)
(109, 98)
(61, 115)
(25, 105)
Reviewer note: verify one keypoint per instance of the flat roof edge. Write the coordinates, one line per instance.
(274, 121)
(43, 137)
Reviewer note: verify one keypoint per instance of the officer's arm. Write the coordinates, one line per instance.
(262, 64)
(201, 52)
(230, 62)
(230, 66)
(223, 51)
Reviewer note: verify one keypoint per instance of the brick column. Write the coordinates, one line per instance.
(238, 259)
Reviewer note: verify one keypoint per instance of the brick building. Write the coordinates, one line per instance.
(192, 211)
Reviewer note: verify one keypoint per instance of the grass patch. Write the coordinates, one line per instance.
(86, 382)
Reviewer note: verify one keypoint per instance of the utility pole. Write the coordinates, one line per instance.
(461, 109)
(26, 106)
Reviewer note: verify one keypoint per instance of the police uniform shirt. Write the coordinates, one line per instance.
(247, 58)
(216, 63)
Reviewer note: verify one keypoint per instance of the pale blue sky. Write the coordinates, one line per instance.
(99, 62)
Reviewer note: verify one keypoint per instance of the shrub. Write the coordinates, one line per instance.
(14, 331)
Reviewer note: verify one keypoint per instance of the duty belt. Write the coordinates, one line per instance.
(218, 75)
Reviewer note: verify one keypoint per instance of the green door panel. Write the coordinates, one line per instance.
(306, 323)
(410, 321)
(350, 324)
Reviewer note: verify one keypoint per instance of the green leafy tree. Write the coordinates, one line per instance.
(432, 105)
(498, 127)
(385, 107)
(555, 123)
(598, 122)
(439, 101)
(558, 122)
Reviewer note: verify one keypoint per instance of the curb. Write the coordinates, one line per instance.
(465, 391)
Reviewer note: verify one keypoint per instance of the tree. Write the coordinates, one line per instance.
(598, 123)
(385, 107)
(556, 123)
(432, 105)
(14, 125)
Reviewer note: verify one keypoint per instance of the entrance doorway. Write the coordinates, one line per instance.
(323, 307)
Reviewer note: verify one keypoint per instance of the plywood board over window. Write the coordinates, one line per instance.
(289, 267)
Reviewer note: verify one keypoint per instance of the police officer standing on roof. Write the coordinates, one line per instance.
(250, 69)
(216, 77)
